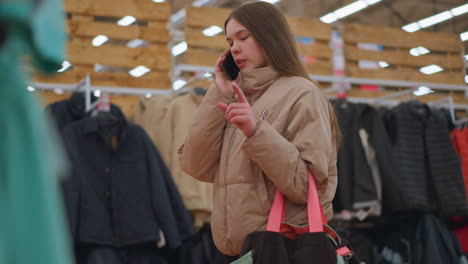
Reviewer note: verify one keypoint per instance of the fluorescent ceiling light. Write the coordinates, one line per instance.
(201, 2)
(419, 51)
(148, 95)
(329, 18)
(135, 43)
(99, 40)
(212, 31)
(431, 69)
(31, 89)
(411, 27)
(435, 19)
(347, 10)
(371, 2)
(178, 84)
(422, 90)
(126, 21)
(383, 64)
(97, 93)
(159, 1)
(271, 1)
(459, 10)
(350, 9)
(65, 66)
(179, 48)
(464, 36)
(139, 71)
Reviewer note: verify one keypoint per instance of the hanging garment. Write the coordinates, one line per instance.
(64, 113)
(149, 114)
(125, 193)
(460, 141)
(428, 169)
(32, 224)
(67, 111)
(197, 195)
(364, 161)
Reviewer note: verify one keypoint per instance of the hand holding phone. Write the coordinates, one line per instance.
(230, 67)
(223, 79)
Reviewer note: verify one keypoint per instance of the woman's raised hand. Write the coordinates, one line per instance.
(240, 114)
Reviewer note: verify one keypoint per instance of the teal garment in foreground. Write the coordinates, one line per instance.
(32, 223)
(32, 220)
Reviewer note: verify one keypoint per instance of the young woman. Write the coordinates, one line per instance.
(263, 131)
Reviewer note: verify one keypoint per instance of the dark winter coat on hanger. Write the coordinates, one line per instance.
(122, 193)
(365, 163)
(429, 172)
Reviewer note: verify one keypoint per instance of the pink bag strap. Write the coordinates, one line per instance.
(315, 214)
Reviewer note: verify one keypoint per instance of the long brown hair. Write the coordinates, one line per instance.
(269, 27)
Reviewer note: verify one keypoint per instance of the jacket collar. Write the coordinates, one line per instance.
(257, 80)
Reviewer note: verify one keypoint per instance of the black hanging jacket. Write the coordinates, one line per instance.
(364, 178)
(429, 173)
(126, 195)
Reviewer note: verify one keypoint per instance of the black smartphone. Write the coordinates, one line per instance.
(230, 67)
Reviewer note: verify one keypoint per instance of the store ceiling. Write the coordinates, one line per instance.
(393, 13)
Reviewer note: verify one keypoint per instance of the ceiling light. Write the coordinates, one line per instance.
(419, 51)
(135, 43)
(31, 89)
(65, 66)
(347, 10)
(411, 27)
(459, 10)
(126, 21)
(139, 71)
(422, 90)
(97, 93)
(212, 31)
(148, 95)
(371, 2)
(464, 36)
(350, 9)
(159, 1)
(466, 78)
(435, 19)
(329, 18)
(431, 69)
(179, 48)
(99, 40)
(383, 64)
(207, 75)
(432, 20)
(271, 1)
(178, 84)
(201, 2)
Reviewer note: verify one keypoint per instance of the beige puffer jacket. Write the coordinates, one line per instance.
(295, 136)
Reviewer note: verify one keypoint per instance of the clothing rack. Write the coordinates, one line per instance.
(105, 89)
(384, 100)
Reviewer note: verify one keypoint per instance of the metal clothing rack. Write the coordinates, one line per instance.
(105, 89)
(384, 100)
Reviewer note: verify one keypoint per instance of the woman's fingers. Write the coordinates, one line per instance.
(222, 106)
(236, 112)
